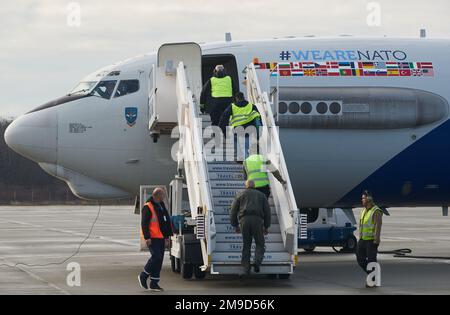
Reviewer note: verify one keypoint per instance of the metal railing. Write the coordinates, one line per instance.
(285, 203)
(151, 97)
(191, 159)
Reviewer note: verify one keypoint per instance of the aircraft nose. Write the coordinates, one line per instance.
(34, 136)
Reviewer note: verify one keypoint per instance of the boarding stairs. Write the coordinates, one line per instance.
(213, 180)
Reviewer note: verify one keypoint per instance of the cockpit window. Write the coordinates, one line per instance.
(127, 87)
(83, 88)
(104, 89)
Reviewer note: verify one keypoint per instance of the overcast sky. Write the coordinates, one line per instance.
(42, 58)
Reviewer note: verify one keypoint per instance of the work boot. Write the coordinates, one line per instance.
(142, 278)
(155, 287)
(257, 268)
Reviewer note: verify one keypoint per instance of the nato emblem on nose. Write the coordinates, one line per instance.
(131, 114)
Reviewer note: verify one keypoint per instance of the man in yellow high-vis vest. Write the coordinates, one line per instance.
(369, 231)
(256, 167)
(243, 114)
(217, 94)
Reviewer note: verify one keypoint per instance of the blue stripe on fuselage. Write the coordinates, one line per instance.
(417, 176)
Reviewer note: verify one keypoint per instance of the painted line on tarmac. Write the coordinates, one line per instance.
(63, 231)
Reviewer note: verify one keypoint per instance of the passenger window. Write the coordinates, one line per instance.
(104, 89)
(127, 87)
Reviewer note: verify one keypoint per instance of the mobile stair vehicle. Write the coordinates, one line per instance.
(207, 181)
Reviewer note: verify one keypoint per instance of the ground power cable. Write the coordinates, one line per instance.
(402, 253)
(15, 266)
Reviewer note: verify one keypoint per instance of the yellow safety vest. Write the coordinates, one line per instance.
(366, 224)
(221, 87)
(253, 166)
(242, 115)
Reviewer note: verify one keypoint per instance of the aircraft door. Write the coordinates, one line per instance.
(209, 62)
(164, 113)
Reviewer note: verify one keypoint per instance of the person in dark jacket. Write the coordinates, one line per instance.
(253, 210)
(156, 229)
(217, 94)
(254, 118)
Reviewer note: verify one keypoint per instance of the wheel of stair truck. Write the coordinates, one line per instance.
(309, 248)
(284, 276)
(350, 244)
(187, 270)
(199, 274)
(191, 256)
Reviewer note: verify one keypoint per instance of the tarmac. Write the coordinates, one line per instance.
(110, 260)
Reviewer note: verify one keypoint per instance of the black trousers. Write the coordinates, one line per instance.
(154, 264)
(265, 190)
(366, 252)
(252, 227)
(216, 108)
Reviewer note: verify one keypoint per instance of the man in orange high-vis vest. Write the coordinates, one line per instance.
(156, 229)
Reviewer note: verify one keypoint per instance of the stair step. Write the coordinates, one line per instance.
(227, 201)
(226, 167)
(236, 257)
(216, 158)
(225, 210)
(224, 163)
(227, 228)
(237, 238)
(229, 176)
(221, 184)
(222, 201)
(225, 219)
(220, 192)
(237, 247)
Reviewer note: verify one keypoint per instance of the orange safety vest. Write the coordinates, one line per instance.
(155, 231)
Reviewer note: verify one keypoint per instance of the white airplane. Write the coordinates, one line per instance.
(354, 114)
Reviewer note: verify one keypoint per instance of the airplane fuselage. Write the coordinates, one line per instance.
(354, 114)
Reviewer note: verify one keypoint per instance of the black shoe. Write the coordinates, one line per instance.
(142, 278)
(257, 269)
(156, 288)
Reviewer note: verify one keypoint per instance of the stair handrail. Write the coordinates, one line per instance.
(151, 97)
(192, 154)
(284, 198)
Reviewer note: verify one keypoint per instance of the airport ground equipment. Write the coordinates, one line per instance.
(206, 181)
(329, 228)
